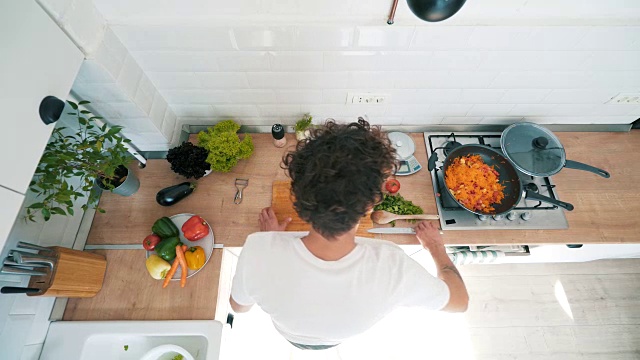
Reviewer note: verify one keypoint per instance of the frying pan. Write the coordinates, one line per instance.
(514, 190)
(536, 151)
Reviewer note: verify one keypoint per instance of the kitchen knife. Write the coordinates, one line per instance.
(18, 290)
(26, 245)
(392, 230)
(23, 257)
(26, 265)
(10, 270)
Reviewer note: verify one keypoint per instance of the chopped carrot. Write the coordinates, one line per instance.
(183, 264)
(474, 184)
(170, 274)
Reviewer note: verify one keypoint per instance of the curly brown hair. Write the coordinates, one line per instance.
(337, 174)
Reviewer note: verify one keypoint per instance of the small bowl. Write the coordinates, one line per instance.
(166, 352)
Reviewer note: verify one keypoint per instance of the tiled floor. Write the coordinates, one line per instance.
(524, 312)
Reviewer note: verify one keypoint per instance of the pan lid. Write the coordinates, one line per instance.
(533, 149)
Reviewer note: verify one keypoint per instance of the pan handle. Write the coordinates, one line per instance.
(18, 290)
(580, 166)
(432, 161)
(536, 196)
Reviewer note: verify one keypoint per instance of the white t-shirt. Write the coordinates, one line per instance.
(317, 302)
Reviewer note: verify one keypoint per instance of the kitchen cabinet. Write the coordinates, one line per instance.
(11, 204)
(38, 59)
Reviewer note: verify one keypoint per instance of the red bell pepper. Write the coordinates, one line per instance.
(195, 228)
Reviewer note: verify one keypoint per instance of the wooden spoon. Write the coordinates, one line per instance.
(385, 217)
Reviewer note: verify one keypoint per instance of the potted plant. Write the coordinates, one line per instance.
(189, 160)
(77, 159)
(224, 146)
(303, 127)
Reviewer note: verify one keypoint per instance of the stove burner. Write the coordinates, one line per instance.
(528, 214)
(449, 146)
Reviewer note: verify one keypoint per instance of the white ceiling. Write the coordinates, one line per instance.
(370, 12)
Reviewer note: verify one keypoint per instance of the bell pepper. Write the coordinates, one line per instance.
(195, 228)
(157, 267)
(195, 257)
(165, 228)
(166, 249)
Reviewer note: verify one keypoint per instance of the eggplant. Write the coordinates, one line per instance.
(173, 194)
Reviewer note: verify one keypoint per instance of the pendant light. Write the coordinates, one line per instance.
(429, 10)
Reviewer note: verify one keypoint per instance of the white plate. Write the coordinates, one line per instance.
(205, 243)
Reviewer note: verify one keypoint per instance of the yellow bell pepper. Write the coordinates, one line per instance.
(195, 257)
(157, 267)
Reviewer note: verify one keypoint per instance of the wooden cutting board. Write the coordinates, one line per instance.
(282, 204)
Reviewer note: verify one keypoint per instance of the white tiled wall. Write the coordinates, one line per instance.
(112, 79)
(433, 73)
(123, 94)
(262, 61)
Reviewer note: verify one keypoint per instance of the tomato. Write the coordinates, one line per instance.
(392, 186)
(151, 241)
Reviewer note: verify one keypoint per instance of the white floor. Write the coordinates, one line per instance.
(529, 311)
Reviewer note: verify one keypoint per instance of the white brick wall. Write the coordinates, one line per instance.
(112, 79)
(439, 73)
(124, 95)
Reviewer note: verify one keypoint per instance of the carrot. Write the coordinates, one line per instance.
(172, 271)
(183, 264)
(474, 184)
(184, 248)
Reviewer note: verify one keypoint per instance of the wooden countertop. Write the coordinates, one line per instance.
(605, 212)
(604, 208)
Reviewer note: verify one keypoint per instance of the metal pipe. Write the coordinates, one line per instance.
(393, 12)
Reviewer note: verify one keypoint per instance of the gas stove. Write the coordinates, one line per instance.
(527, 215)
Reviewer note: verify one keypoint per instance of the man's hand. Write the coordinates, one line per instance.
(269, 222)
(428, 235)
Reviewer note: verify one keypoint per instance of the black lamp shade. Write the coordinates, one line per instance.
(435, 10)
(50, 109)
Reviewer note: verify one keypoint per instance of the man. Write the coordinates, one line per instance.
(327, 285)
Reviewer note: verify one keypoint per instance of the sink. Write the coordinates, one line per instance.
(97, 340)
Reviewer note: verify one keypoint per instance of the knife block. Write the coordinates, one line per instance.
(76, 274)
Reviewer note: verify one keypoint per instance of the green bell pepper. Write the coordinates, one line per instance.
(166, 249)
(165, 228)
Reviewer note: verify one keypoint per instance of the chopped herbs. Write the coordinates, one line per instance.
(396, 204)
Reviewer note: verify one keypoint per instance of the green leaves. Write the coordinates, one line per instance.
(46, 214)
(84, 102)
(36, 206)
(57, 210)
(73, 159)
(396, 204)
(224, 145)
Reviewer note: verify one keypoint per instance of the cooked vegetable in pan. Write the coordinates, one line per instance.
(474, 184)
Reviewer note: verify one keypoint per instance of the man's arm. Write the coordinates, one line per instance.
(237, 307)
(429, 236)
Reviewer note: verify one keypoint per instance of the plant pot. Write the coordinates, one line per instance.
(301, 135)
(128, 187)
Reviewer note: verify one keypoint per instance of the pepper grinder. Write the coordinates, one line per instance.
(277, 130)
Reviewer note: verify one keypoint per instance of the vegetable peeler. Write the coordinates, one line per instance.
(240, 185)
